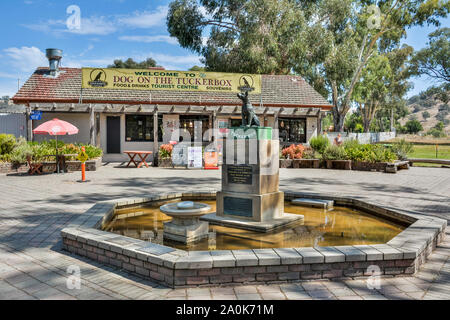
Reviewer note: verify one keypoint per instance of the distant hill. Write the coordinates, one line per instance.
(429, 108)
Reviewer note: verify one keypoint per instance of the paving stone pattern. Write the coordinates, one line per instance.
(35, 209)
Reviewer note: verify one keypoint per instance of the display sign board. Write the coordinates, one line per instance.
(36, 115)
(180, 155)
(145, 79)
(195, 158)
(211, 160)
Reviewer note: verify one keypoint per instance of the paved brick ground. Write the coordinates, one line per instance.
(34, 209)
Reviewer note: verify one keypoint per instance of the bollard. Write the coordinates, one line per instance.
(83, 167)
(83, 158)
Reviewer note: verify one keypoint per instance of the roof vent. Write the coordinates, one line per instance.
(54, 57)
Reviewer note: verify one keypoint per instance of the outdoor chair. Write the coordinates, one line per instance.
(35, 168)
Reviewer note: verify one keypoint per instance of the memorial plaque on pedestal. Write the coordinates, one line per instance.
(238, 207)
(240, 174)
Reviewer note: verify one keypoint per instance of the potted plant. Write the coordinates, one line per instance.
(165, 156)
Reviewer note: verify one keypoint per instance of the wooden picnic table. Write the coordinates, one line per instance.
(142, 155)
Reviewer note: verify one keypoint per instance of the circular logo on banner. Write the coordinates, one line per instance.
(246, 83)
(98, 78)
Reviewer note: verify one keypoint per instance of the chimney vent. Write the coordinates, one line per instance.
(54, 57)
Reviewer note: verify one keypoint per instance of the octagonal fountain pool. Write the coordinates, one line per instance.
(335, 227)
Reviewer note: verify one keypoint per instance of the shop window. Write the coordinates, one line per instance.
(292, 130)
(193, 124)
(139, 128)
(235, 123)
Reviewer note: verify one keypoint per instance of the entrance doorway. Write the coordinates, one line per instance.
(112, 134)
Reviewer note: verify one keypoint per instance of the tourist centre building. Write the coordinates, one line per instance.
(125, 109)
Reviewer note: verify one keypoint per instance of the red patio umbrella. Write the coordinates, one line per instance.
(56, 128)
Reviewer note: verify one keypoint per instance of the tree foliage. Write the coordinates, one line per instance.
(413, 126)
(244, 36)
(131, 64)
(328, 42)
(434, 59)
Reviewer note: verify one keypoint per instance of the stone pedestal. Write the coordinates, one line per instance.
(185, 225)
(250, 196)
(186, 231)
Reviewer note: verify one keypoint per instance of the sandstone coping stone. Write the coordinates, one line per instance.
(310, 255)
(331, 254)
(351, 253)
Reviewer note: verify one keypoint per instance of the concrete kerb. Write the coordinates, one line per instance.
(178, 268)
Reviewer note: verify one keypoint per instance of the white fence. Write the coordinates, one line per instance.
(370, 137)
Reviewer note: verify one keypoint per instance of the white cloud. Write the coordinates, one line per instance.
(104, 25)
(8, 87)
(146, 19)
(89, 48)
(26, 59)
(162, 58)
(89, 26)
(8, 75)
(150, 39)
(95, 25)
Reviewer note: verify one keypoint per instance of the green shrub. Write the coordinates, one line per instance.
(333, 152)
(309, 153)
(93, 152)
(21, 151)
(368, 152)
(413, 126)
(42, 152)
(7, 143)
(402, 148)
(381, 154)
(319, 143)
(359, 128)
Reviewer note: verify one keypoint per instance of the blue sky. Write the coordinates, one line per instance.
(110, 29)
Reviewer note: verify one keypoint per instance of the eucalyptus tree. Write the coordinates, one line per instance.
(328, 42)
(434, 60)
(350, 34)
(257, 36)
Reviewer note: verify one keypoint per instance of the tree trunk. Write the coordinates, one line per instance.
(392, 120)
(338, 120)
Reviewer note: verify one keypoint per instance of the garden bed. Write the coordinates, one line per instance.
(91, 165)
(49, 167)
(8, 168)
(388, 167)
(306, 163)
(165, 163)
(286, 163)
(339, 164)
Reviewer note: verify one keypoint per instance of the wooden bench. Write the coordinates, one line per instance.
(434, 161)
(397, 165)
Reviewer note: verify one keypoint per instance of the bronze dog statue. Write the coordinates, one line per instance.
(249, 118)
